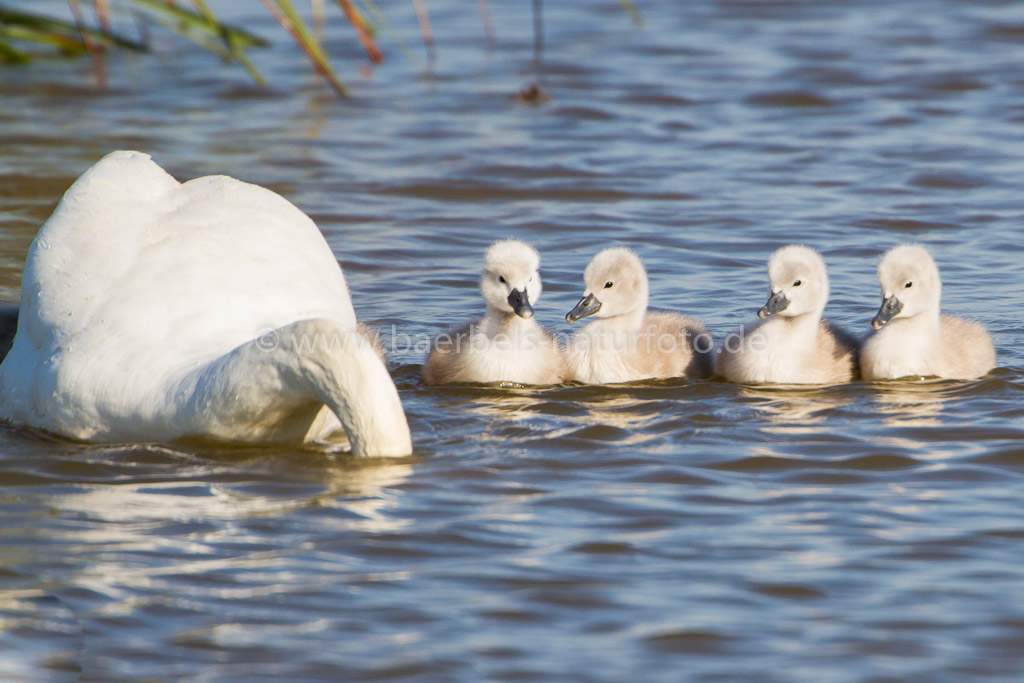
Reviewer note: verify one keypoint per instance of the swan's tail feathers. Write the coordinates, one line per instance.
(129, 174)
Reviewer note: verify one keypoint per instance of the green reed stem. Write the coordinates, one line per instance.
(10, 54)
(62, 34)
(291, 21)
(200, 23)
(232, 42)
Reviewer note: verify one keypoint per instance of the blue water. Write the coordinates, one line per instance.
(663, 531)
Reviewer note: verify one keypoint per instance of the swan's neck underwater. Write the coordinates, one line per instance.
(359, 390)
(307, 363)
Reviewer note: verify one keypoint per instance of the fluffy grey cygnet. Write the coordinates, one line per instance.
(507, 344)
(791, 344)
(912, 337)
(626, 342)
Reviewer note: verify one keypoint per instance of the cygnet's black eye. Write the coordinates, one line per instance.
(797, 283)
(501, 279)
(908, 285)
(608, 285)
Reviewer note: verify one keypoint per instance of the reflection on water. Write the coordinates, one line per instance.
(584, 412)
(792, 410)
(166, 526)
(918, 404)
(850, 533)
(38, 633)
(630, 414)
(359, 485)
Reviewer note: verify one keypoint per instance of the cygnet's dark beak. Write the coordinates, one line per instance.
(889, 310)
(520, 303)
(588, 305)
(777, 302)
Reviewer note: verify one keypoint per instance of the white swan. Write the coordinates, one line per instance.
(792, 344)
(507, 344)
(912, 338)
(153, 310)
(625, 342)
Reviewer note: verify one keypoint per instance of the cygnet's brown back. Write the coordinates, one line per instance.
(465, 355)
(837, 354)
(966, 350)
(672, 345)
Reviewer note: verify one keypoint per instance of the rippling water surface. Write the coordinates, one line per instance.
(658, 531)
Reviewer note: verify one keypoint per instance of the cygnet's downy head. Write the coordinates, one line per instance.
(615, 284)
(511, 281)
(910, 284)
(799, 283)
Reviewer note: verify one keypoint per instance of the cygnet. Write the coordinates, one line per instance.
(507, 344)
(912, 337)
(625, 342)
(791, 344)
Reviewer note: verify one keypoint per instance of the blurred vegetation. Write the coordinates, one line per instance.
(29, 35)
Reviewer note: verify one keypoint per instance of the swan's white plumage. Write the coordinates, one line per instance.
(792, 344)
(139, 289)
(917, 340)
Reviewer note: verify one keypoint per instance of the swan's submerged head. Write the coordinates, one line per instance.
(799, 283)
(910, 284)
(511, 279)
(615, 284)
